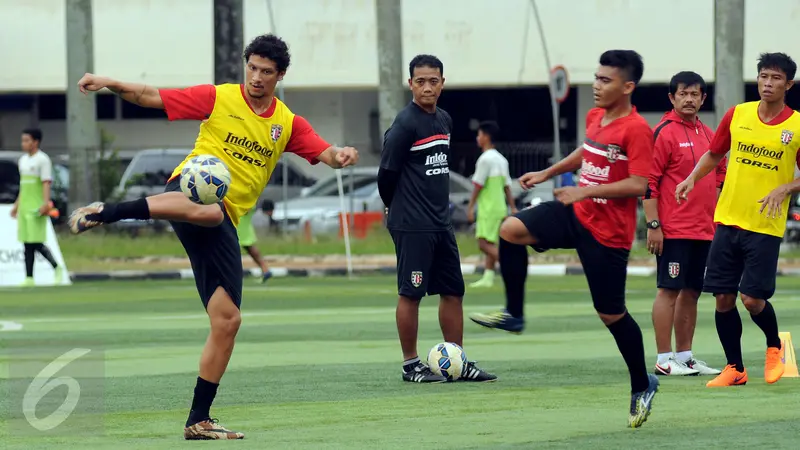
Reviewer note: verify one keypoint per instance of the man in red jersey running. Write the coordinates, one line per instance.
(597, 218)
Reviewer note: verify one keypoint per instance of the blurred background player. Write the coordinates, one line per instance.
(208, 232)
(33, 206)
(680, 235)
(597, 218)
(492, 193)
(248, 238)
(414, 184)
(763, 138)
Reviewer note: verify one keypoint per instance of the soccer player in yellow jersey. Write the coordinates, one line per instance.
(763, 138)
(248, 129)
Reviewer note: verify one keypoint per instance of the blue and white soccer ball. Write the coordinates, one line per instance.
(205, 179)
(447, 359)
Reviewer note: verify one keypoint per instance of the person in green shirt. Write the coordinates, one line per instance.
(248, 239)
(32, 207)
(492, 194)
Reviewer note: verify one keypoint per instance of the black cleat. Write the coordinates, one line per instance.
(422, 374)
(474, 373)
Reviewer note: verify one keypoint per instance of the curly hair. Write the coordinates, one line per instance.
(270, 47)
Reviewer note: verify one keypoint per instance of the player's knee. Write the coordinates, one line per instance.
(609, 319)
(206, 215)
(227, 325)
(725, 302)
(754, 305)
(514, 231)
(667, 295)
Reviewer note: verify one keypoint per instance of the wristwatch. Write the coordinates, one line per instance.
(653, 224)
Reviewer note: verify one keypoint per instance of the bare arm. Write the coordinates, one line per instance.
(705, 166)
(650, 209)
(138, 94)
(569, 164)
(510, 199)
(633, 186)
(338, 157)
(46, 191)
(474, 198)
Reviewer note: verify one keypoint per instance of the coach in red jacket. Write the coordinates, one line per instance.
(680, 235)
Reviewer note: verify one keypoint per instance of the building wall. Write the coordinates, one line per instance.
(169, 43)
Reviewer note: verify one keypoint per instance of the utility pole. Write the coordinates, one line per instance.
(228, 41)
(728, 55)
(391, 93)
(82, 130)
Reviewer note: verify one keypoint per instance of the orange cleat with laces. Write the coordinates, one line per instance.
(775, 364)
(729, 377)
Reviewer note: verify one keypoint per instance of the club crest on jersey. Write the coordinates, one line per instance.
(674, 269)
(786, 137)
(613, 153)
(416, 278)
(275, 132)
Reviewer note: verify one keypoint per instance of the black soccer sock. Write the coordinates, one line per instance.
(729, 329)
(768, 323)
(114, 212)
(44, 251)
(204, 393)
(514, 268)
(631, 345)
(30, 253)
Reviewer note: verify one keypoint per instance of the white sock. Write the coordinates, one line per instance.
(684, 356)
(488, 275)
(664, 357)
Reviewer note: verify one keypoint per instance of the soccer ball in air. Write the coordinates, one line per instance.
(205, 179)
(447, 359)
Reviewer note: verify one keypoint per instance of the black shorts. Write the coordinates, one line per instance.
(682, 264)
(428, 263)
(555, 225)
(742, 261)
(214, 254)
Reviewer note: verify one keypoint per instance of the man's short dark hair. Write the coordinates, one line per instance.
(627, 61)
(34, 133)
(271, 47)
(778, 61)
(490, 128)
(425, 61)
(687, 78)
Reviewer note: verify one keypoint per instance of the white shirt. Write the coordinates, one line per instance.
(37, 165)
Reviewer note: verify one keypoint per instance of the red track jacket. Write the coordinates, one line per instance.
(678, 147)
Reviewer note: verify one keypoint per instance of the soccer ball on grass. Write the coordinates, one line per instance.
(447, 359)
(205, 179)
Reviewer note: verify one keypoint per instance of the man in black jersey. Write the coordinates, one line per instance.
(414, 184)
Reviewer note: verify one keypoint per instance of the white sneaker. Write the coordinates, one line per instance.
(673, 367)
(701, 367)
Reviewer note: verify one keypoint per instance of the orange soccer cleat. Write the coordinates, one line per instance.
(775, 364)
(729, 377)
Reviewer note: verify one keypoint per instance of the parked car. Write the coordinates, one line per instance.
(793, 221)
(320, 204)
(150, 169)
(9, 183)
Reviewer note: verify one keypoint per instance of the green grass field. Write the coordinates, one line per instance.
(115, 251)
(317, 366)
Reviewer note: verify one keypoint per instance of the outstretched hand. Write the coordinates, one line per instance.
(682, 190)
(347, 156)
(772, 202)
(569, 195)
(531, 179)
(92, 83)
